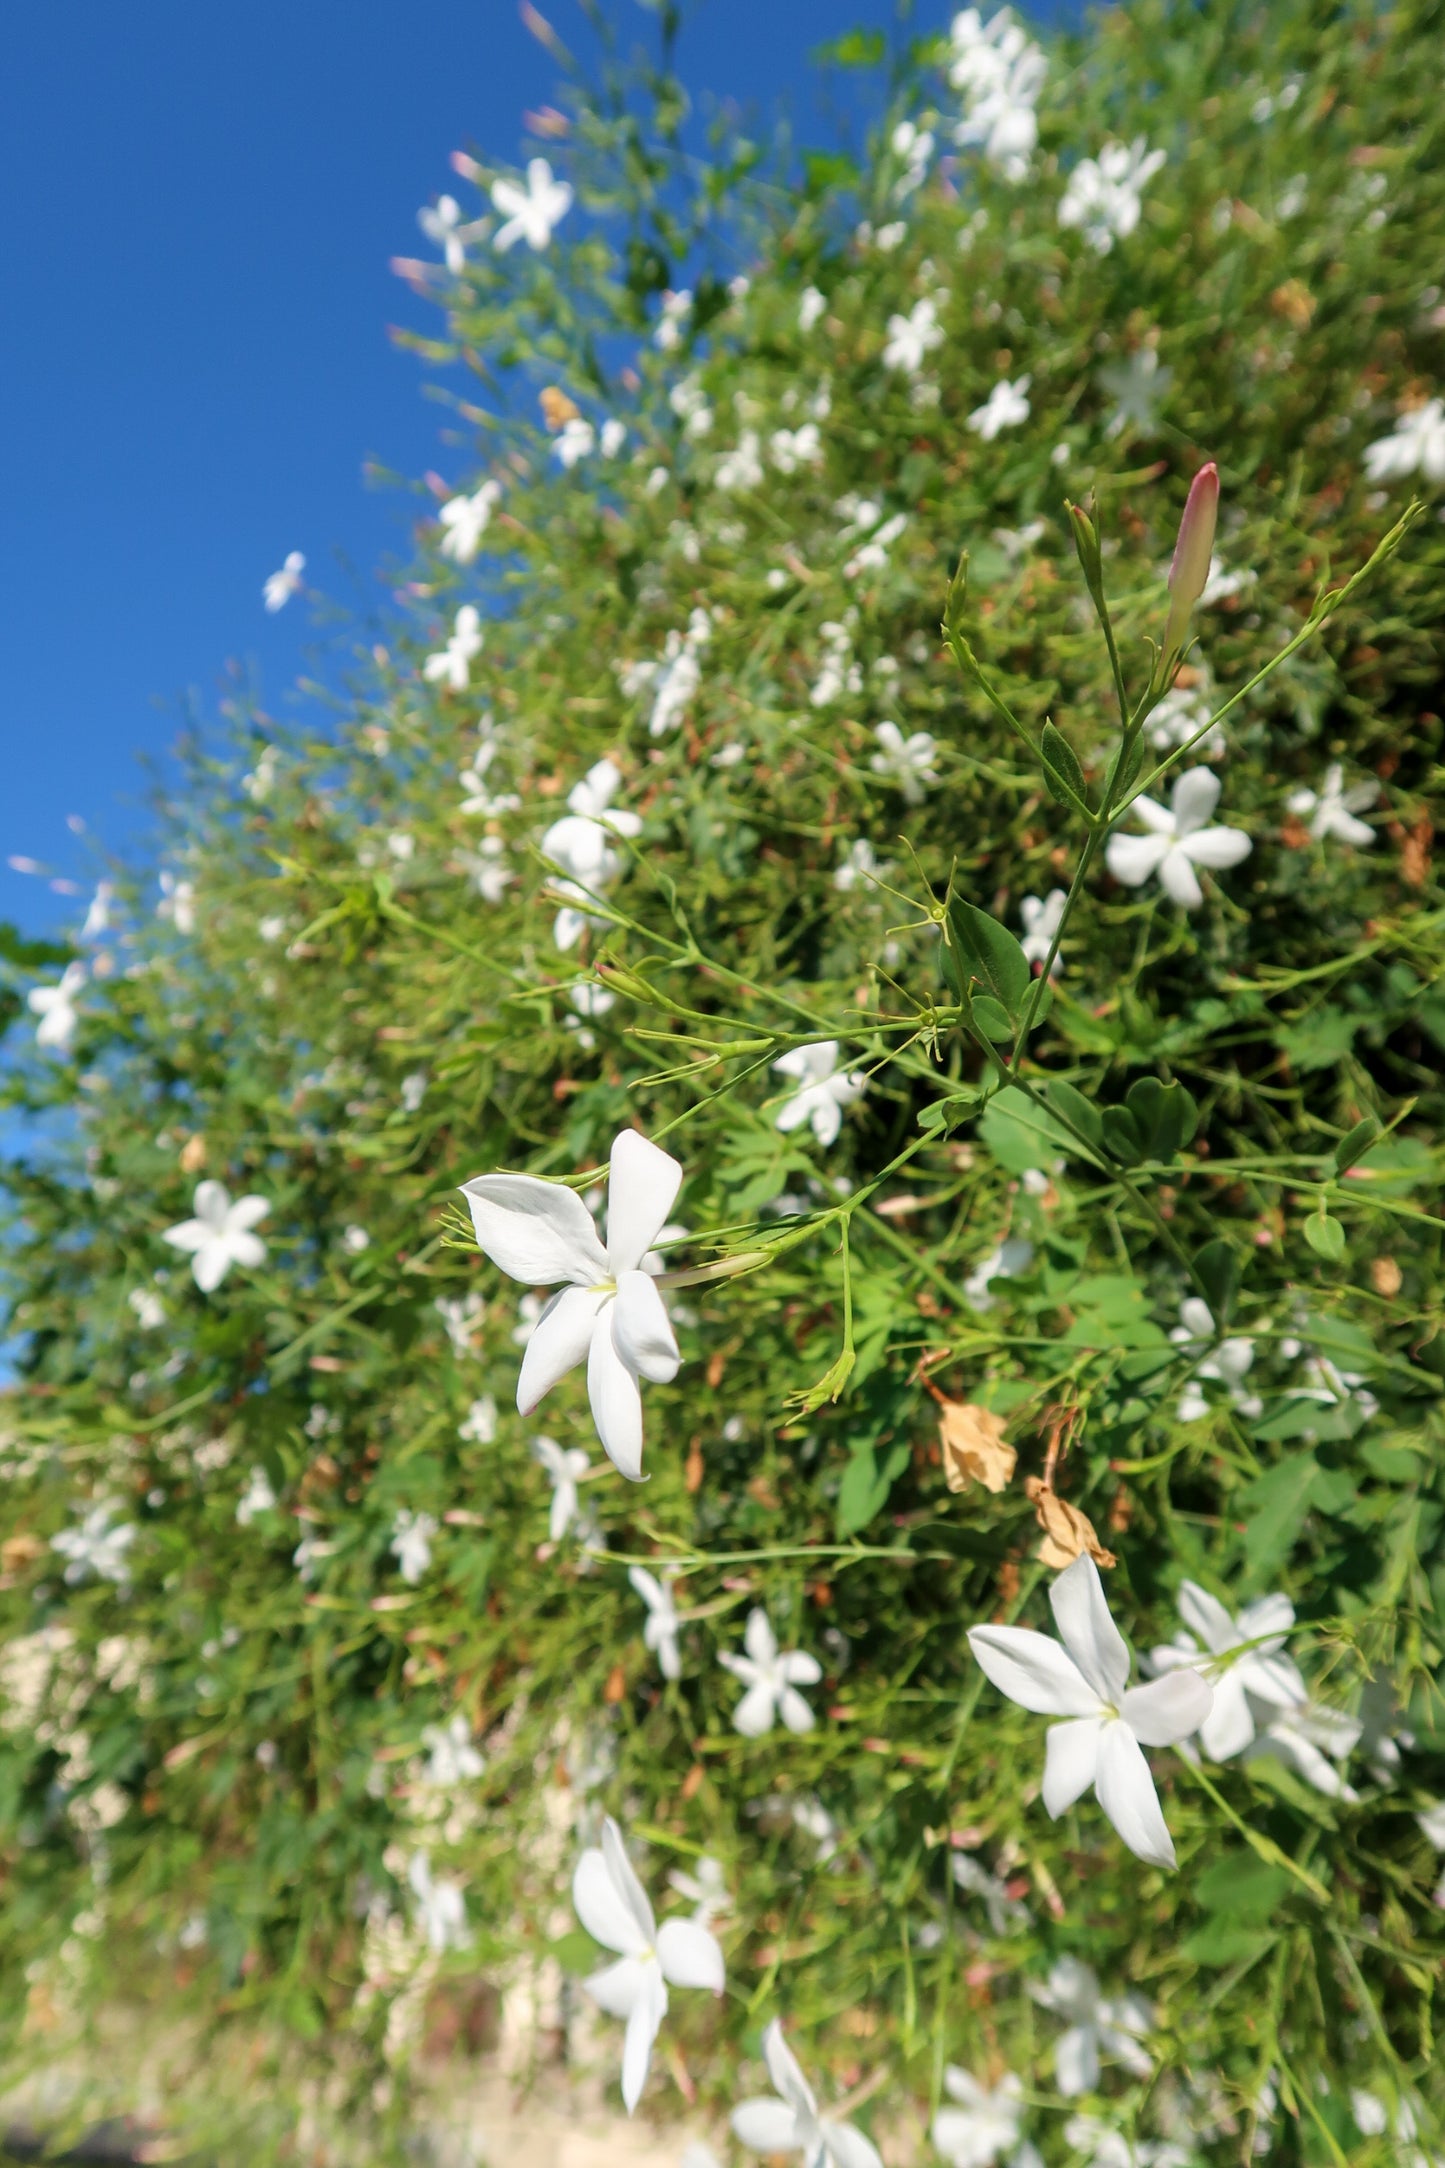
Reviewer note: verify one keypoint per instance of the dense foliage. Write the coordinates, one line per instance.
(317, 1674)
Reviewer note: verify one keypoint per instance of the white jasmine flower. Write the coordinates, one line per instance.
(676, 309)
(675, 679)
(97, 916)
(280, 586)
(858, 867)
(1331, 1386)
(461, 1315)
(55, 1006)
(1310, 1739)
(1228, 1365)
(465, 520)
(401, 846)
(441, 1913)
(1005, 407)
(612, 1905)
(609, 1312)
(706, 1890)
(178, 903)
(1138, 386)
(354, 1240)
(812, 305)
(1109, 1722)
(908, 762)
(792, 2124)
(790, 449)
(772, 1679)
(261, 780)
(97, 1546)
(741, 468)
(1096, 2025)
(912, 338)
(661, 1630)
(872, 555)
(1332, 809)
(983, 2127)
(839, 673)
(1221, 585)
(220, 1235)
(307, 1552)
(479, 1426)
(1104, 195)
(582, 843)
(258, 1497)
(410, 1544)
(413, 1090)
(822, 1092)
(1003, 1911)
(576, 440)
(689, 402)
(1042, 917)
(1104, 2145)
(149, 1310)
(480, 798)
(611, 437)
(530, 213)
(452, 1758)
(1241, 1676)
(1416, 447)
(1178, 841)
(698, 2154)
(447, 230)
(1178, 716)
(1000, 73)
(1006, 1262)
(451, 665)
(487, 868)
(565, 1468)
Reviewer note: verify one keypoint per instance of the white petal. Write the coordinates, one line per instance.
(210, 1265)
(248, 1250)
(616, 1401)
(1076, 2061)
(1196, 794)
(1089, 1634)
(1071, 1761)
(188, 1235)
(689, 1955)
(245, 1212)
(1157, 818)
(759, 1639)
(786, 2072)
(849, 2148)
(212, 1203)
(766, 2126)
(1127, 1795)
(798, 1668)
(1229, 1727)
(1168, 1709)
(617, 1987)
(538, 1232)
(560, 1340)
(1179, 881)
(754, 1714)
(619, 1866)
(640, 1328)
(603, 1908)
(648, 2013)
(1216, 847)
(1132, 859)
(644, 1184)
(1206, 1617)
(1033, 1671)
(794, 1711)
(648, 1587)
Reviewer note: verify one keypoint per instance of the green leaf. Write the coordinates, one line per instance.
(1072, 1106)
(864, 1490)
(1243, 1889)
(1165, 1116)
(1325, 1236)
(985, 951)
(1274, 1507)
(1355, 1143)
(1218, 1942)
(991, 1018)
(1021, 1135)
(1217, 1267)
(1062, 773)
(854, 49)
(1121, 1135)
(945, 1114)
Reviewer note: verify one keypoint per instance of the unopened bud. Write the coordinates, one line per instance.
(1086, 543)
(1189, 572)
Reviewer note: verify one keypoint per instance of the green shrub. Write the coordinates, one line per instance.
(300, 1657)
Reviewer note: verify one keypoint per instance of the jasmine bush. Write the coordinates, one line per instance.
(1017, 1051)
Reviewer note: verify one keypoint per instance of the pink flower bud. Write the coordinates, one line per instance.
(1189, 573)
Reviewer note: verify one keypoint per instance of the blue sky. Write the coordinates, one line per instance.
(198, 205)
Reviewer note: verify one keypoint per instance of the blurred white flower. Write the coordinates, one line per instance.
(583, 844)
(1243, 1676)
(1000, 73)
(857, 869)
(706, 1890)
(791, 2123)
(1179, 715)
(451, 665)
(1003, 1911)
(55, 1006)
(1042, 917)
(742, 467)
(481, 799)
(479, 1425)
(1228, 1365)
(441, 1913)
(772, 1678)
(1096, 2025)
(530, 213)
(822, 1091)
(97, 917)
(178, 903)
(451, 1756)
(914, 147)
(220, 1235)
(839, 673)
(1178, 840)
(149, 1310)
(661, 1629)
(413, 1090)
(1310, 1739)
(446, 229)
(1104, 197)
(465, 520)
(908, 762)
(1005, 407)
(872, 555)
(354, 1240)
(676, 309)
(97, 1546)
(281, 586)
(462, 1316)
(983, 2126)
(812, 305)
(1138, 387)
(258, 1497)
(487, 868)
(612, 1905)
(410, 1544)
(912, 338)
(565, 1466)
(1332, 810)
(1417, 446)
(790, 449)
(1108, 1723)
(1005, 1262)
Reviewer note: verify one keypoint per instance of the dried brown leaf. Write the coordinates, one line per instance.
(1067, 1532)
(974, 1447)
